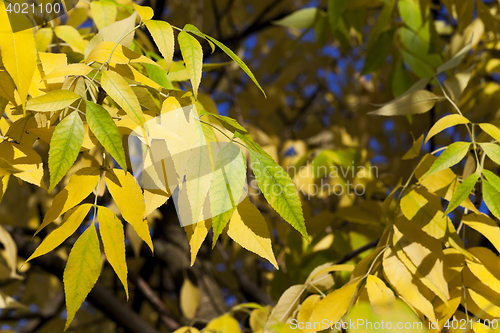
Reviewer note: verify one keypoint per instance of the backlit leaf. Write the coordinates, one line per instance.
(453, 154)
(492, 151)
(492, 130)
(105, 130)
(300, 19)
(483, 224)
(192, 54)
(113, 239)
(144, 12)
(71, 36)
(121, 92)
(72, 220)
(82, 271)
(71, 69)
(463, 191)
(52, 101)
(287, 304)
(64, 147)
(248, 228)
(103, 13)
(444, 123)
(491, 198)
(163, 35)
(223, 324)
(378, 293)
(417, 102)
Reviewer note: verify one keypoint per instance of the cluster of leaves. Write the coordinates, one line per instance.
(82, 101)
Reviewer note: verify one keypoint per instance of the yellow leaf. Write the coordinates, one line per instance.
(144, 12)
(43, 37)
(415, 149)
(163, 35)
(18, 50)
(196, 234)
(412, 291)
(131, 73)
(71, 36)
(248, 228)
(68, 70)
(121, 92)
(321, 277)
(487, 270)
(103, 13)
(51, 61)
(121, 55)
(492, 130)
(128, 196)
(72, 220)
(11, 251)
(189, 297)
(306, 309)
(25, 159)
(7, 87)
(192, 54)
(52, 101)
(82, 271)
(154, 199)
(444, 123)
(113, 239)
(79, 187)
(485, 226)
(223, 324)
(378, 293)
(335, 304)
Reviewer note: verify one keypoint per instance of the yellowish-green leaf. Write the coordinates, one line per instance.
(417, 102)
(306, 309)
(113, 239)
(492, 130)
(103, 13)
(492, 178)
(451, 156)
(278, 189)
(128, 196)
(64, 147)
(72, 220)
(336, 303)
(163, 35)
(18, 50)
(192, 54)
(463, 191)
(223, 324)
(492, 151)
(121, 92)
(43, 37)
(249, 229)
(121, 54)
(378, 293)
(71, 36)
(79, 187)
(82, 271)
(444, 123)
(105, 130)
(483, 224)
(52, 101)
(189, 297)
(71, 69)
(491, 198)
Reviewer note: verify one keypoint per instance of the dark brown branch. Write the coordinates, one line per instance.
(357, 252)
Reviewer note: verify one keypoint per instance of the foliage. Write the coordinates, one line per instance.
(333, 160)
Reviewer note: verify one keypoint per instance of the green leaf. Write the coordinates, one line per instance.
(229, 123)
(105, 130)
(401, 80)
(72, 220)
(192, 54)
(492, 151)
(416, 102)
(444, 123)
(463, 191)
(121, 92)
(278, 189)
(492, 178)
(82, 271)
(64, 147)
(52, 101)
(300, 19)
(378, 52)
(235, 58)
(491, 198)
(159, 75)
(196, 31)
(113, 239)
(417, 66)
(163, 35)
(492, 130)
(451, 156)
(335, 10)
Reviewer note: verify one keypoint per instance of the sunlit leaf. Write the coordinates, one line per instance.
(444, 123)
(492, 151)
(463, 191)
(193, 58)
(417, 102)
(163, 35)
(453, 154)
(52, 101)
